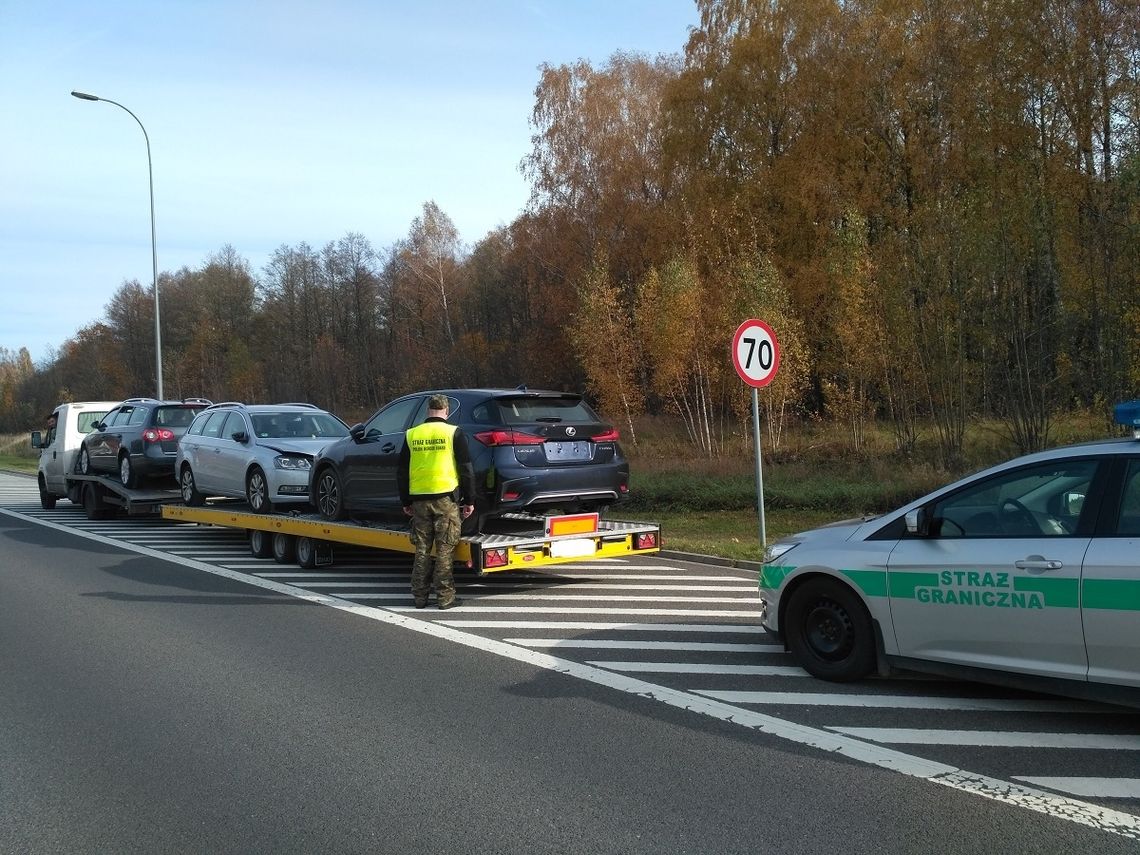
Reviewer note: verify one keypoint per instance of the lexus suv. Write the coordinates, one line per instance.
(532, 450)
(137, 439)
(257, 452)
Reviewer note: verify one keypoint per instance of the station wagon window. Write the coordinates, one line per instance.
(213, 426)
(174, 416)
(1036, 501)
(138, 416)
(196, 426)
(393, 418)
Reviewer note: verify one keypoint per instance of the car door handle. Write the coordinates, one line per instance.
(1038, 562)
(388, 447)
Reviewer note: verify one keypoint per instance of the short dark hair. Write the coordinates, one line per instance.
(438, 402)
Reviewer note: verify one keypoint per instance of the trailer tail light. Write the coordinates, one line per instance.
(158, 435)
(508, 437)
(610, 435)
(648, 540)
(495, 558)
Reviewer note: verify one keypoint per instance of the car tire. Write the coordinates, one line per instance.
(190, 494)
(257, 491)
(260, 543)
(84, 464)
(127, 475)
(829, 631)
(330, 498)
(47, 500)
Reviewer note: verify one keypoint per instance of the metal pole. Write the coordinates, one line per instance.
(759, 467)
(153, 241)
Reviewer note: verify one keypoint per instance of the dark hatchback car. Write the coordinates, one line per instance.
(532, 450)
(138, 439)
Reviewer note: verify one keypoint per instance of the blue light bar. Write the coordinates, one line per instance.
(1128, 413)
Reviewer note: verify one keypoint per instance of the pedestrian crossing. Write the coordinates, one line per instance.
(695, 629)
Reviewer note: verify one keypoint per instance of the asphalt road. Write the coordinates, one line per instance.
(147, 706)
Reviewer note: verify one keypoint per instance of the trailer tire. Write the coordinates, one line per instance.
(94, 505)
(190, 494)
(260, 543)
(284, 548)
(306, 553)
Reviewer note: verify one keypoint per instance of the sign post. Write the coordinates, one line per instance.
(756, 357)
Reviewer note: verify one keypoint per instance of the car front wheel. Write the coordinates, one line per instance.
(829, 631)
(257, 492)
(330, 500)
(190, 494)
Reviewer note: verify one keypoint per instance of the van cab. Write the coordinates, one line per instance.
(67, 426)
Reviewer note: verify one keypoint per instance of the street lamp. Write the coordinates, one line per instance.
(153, 244)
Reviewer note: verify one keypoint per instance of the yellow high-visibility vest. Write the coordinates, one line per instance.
(431, 470)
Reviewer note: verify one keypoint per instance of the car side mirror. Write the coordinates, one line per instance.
(918, 522)
(98, 426)
(239, 436)
(357, 432)
(36, 439)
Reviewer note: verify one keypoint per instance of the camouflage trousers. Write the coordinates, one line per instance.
(434, 522)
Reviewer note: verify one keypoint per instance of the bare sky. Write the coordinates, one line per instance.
(270, 123)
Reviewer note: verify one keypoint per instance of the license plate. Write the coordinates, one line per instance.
(579, 547)
(557, 451)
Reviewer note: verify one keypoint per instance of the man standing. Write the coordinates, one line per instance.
(437, 487)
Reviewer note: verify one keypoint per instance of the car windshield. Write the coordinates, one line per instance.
(515, 411)
(297, 426)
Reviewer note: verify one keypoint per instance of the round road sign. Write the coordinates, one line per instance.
(755, 353)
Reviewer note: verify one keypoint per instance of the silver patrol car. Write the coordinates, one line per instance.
(1026, 574)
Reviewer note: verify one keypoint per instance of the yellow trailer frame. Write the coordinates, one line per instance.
(534, 543)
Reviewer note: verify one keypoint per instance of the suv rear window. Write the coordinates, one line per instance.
(517, 411)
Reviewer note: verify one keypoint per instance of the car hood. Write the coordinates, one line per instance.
(308, 447)
(835, 532)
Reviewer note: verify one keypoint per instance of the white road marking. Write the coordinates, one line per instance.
(817, 699)
(590, 610)
(1104, 788)
(703, 628)
(1016, 795)
(699, 668)
(615, 644)
(995, 739)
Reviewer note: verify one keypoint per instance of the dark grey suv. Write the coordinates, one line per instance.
(532, 450)
(138, 439)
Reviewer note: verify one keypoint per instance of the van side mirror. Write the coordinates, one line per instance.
(36, 439)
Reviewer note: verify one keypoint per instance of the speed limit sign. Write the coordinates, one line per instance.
(755, 353)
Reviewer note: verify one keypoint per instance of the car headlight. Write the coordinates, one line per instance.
(284, 461)
(776, 550)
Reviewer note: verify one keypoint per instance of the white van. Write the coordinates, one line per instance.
(59, 445)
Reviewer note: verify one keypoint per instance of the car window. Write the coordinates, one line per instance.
(1129, 521)
(393, 418)
(123, 417)
(85, 422)
(138, 416)
(196, 426)
(1035, 501)
(234, 424)
(453, 409)
(213, 426)
(515, 411)
(109, 418)
(173, 416)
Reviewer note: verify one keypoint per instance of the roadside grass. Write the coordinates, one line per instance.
(16, 453)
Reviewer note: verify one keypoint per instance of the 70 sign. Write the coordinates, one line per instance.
(755, 353)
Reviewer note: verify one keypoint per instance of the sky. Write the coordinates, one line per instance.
(270, 123)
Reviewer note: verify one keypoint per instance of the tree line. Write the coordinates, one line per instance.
(934, 203)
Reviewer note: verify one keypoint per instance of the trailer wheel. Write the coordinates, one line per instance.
(94, 505)
(306, 553)
(47, 500)
(260, 543)
(284, 548)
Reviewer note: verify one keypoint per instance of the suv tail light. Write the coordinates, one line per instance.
(158, 435)
(508, 437)
(610, 435)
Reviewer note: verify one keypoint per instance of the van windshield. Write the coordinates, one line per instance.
(86, 420)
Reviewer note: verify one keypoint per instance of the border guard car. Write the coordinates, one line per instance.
(1026, 574)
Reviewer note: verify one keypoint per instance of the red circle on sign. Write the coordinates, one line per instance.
(755, 353)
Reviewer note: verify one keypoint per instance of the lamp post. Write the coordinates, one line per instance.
(153, 243)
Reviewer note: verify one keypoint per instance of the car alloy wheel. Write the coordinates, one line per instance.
(257, 492)
(329, 501)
